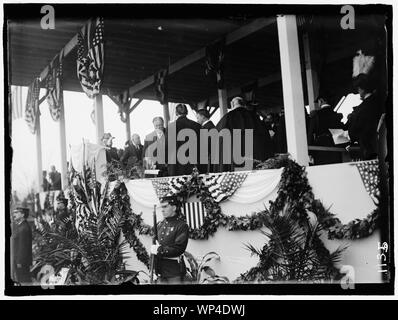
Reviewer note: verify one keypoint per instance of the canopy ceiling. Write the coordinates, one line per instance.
(136, 49)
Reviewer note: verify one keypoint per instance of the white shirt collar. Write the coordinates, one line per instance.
(205, 122)
(325, 105)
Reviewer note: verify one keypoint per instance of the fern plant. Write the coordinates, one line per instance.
(294, 252)
(88, 241)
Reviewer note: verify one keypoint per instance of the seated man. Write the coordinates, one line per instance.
(172, 241)
(321, 121)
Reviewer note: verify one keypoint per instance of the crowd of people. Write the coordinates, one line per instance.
(51, 180)
(269, 136)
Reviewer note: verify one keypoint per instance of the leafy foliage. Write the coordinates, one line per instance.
(88, 241)
(293, 252)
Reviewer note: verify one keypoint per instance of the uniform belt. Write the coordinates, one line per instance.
(170, 258)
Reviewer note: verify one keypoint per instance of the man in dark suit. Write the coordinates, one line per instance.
(133, 154)
(21, 246)
(176, 164)
(155, 147)
(203, 117)
(363, 121)
(320, 122)
(241, 118)
(55, 179)
(172, 242)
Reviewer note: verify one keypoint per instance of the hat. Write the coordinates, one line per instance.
(61, 199)
(171, 199)
(23, 210)
(107, 136)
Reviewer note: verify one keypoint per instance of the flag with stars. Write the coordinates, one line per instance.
(369, 172)
(32, 105)
(54, 87)
(224, 185)
(90, 57)
(168, 186)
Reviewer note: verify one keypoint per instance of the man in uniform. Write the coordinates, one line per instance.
(171, 244)
(22, 245)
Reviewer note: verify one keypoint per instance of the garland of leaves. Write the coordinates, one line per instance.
(119, 198)
(294, 189)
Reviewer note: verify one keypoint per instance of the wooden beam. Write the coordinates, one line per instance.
(311, 74)
(99, 117)
(234, 36)
(135, 105)
(128, 127)
(293, 97)
(39, 163)
(166, 114)
(62, 143)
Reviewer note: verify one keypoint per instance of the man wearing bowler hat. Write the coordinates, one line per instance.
(22, 245)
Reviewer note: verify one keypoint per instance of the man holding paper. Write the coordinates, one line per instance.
(319, 134)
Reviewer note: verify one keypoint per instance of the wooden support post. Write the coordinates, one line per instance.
(39, 154)
(62, 143)
(166, 114)
(222, 100)
(311, 74)
(292, 88)
(128, 126)
(99, 117)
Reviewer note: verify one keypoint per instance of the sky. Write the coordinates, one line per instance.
(78, 125)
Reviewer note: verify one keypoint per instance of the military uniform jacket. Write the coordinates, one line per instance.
(22, 244)
(173, 240)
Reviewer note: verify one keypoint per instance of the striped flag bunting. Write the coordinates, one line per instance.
(54, 87)
(16, 103)
(195, 214)
(160, 86)
(168, 186)
(32, 105)
(369, 172)
(224, 185)
(90, 57)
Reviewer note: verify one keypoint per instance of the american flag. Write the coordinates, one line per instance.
(369, 172)
(168, 186)
(224, 185)
(195, 214)
(54, 88)
(215, 61)
(160, 86)
(90, 57)
(32, 105)
(16, 103)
